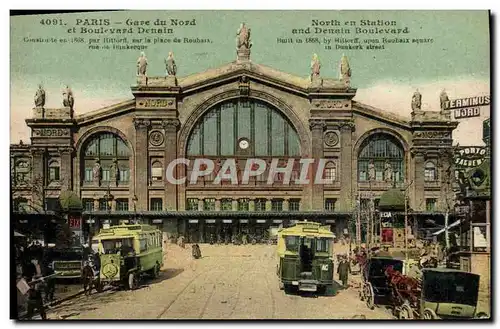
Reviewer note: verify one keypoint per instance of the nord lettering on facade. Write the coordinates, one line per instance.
(468, 112)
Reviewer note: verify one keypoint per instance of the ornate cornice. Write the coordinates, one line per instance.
(171, 124)
(66, 151)
(316, 124)
(141, 123)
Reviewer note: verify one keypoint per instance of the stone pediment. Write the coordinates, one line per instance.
(380, 114)
(235, 69)
(105, 112)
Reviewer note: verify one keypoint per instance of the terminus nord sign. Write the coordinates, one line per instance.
(468, 107)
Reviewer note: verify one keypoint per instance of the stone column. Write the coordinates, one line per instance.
(217, 204)
(170, 126)
(251, 205)
(346, 172)
(66, 173)
(286, 203)
(200, 205)
(419, 181)
(38, 177)
(235, 205)
(317, 128)
(141, 162)
(269, 205)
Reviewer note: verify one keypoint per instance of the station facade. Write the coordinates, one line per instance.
(115, 158)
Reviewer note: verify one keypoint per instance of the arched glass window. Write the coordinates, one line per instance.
(330, 171)
(54, 171)
(381, 158)
(108, 154)
(264, 130)
(156, 170)
(430, 172)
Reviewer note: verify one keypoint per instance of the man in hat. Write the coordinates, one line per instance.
(343, 270)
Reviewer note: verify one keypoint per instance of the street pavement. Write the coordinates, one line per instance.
(229, 282)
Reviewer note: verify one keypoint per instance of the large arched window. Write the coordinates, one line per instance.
(105, 159)
(381, 158)
(245, 128)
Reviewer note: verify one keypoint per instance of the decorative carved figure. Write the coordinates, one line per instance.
(68, 100)
(97, 172)
(416, 101)
(444, 100)
(388, 172)
(315, 67)
(170, 66)
(243, 40)
(40, 97)
(371, 171)
(114, 171)
(142, 63)
(345, 69)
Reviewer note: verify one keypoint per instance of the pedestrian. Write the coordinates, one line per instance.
(35, 301)
(343, 271)
(50, 285)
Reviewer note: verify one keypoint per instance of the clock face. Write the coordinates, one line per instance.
(244, 144)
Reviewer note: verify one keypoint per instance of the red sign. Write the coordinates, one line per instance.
(387, 235)
(75, 222)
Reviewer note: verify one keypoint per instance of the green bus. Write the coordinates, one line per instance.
(126, 252)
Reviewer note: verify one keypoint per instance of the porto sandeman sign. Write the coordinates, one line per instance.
(470, 157)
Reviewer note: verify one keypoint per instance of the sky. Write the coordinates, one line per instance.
(457, 59)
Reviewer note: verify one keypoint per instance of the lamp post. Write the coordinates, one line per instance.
(134, 200)
(406, 220)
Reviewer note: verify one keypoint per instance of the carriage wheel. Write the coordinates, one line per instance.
(429, 314)
(405, 312)
(133, 281)
(370, 296)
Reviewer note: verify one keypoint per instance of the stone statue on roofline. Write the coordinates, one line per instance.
(416, 101)
(315, 67)
(142, 64)
(170, 67)
(444, 101)
(68, 99)
(345, 69)
(40, 97)
(243, 38)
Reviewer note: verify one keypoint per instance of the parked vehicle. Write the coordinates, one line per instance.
(440, 294)
(127, 252)
(305, 257)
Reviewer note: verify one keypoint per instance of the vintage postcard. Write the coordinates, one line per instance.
(233, 164)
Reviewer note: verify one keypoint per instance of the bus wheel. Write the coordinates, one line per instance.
(133, 281)
(155, 272)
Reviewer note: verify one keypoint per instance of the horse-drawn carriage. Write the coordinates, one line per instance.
(376, 289)
(441, 293)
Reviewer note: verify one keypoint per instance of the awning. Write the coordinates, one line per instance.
(194, 221)
(444, 229)
(210, 221)
(261, 221)
(227, 221)
(243, 220)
